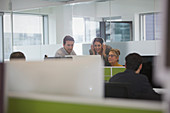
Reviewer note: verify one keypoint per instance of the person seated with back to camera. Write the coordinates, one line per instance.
(67, 49)
(99, 48)
(113, 57)
(139, 86)
(17, 55)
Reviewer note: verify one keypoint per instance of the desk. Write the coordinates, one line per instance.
(159, 90)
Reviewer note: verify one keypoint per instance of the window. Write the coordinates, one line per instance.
(150, 26)
(86, 30)
(118, 31)
(24, 29)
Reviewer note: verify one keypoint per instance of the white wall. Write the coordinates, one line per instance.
(4, 5)
(29, 4)
(84, 10)
(60, 23)
(37, 52)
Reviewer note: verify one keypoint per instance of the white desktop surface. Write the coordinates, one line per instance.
(160, 90)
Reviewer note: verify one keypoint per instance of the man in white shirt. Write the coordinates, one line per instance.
(67, 49)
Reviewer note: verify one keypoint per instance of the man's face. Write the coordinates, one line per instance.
(69, 46)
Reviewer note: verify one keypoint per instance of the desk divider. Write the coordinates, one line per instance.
(110, 71)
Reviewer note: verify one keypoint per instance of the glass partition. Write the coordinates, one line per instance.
(1, 38)
(64, 19)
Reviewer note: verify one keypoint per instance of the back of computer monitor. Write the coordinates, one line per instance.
(148, 66)
(79, 77)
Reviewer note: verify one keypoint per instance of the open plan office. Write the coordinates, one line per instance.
(79, 82)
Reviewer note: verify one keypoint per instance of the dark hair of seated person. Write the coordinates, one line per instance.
(17, 55)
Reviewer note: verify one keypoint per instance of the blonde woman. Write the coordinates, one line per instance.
(114, 57)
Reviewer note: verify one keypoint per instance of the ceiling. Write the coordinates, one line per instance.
(27, 4)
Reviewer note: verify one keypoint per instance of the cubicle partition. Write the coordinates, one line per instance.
(110, 71)
(65, 86)
(43, 104)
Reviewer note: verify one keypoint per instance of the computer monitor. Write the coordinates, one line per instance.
(148, 68)
(59, 57)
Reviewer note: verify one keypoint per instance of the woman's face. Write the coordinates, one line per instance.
(97, 47)
(112, 58)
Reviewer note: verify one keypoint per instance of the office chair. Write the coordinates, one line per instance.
(116, 90)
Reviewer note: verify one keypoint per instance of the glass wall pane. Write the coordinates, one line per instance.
(78, 29)
(85, 29)
(7, 36)
(1, 39)
(89, 24)
(92, 29)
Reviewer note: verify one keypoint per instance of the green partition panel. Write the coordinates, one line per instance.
(17, 105)
(107, 71)
(117, 70)
(107, 74)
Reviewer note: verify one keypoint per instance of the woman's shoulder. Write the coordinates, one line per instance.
(108, 48)
(117, 64)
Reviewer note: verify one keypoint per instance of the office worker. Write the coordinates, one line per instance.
(17, 55)
(99, 48)
(139, 87)
(113, 57)
(67, 49)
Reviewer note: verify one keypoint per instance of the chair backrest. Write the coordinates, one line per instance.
(116, 90)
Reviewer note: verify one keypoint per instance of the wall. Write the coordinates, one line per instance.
(37, 52)
(4, 5)
(29, 4)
